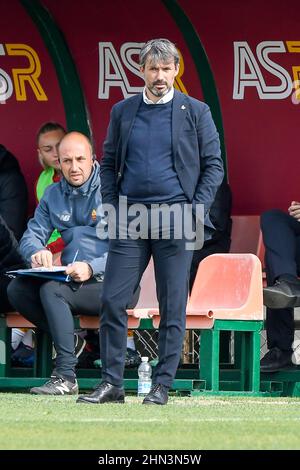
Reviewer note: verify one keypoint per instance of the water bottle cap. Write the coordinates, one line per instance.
(144, 359)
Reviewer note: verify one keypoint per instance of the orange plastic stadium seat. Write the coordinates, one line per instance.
(229, 286)
(147, 304)
(15, 320)
(246, 235)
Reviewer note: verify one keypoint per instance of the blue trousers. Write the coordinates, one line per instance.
(281, 234)
(127, 260)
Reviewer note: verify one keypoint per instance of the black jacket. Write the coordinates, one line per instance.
(10, 257)
(13, 193)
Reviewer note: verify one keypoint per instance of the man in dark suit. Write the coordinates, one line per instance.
(162, 147)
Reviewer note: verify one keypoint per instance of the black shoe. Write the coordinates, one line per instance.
(158, 395)
(56, 386)
(103, 393)
(132, 358)
(284, 294)
(275, 360)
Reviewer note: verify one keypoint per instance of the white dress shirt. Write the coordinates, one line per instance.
(163, 100)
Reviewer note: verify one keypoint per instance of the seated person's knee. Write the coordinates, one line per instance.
(271, 217)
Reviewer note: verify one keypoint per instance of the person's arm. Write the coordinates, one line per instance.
(9, 248)
(108, 163)
(211, 164)
(13, 202)
(37, 234)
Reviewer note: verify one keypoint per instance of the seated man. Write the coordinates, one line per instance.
(73, 206)
(281, 234)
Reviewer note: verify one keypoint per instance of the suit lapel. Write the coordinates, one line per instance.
(127, 121)
(179, 112)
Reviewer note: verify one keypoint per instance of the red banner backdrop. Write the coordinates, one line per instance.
(253, 49)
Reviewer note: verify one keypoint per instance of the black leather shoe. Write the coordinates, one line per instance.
(275, 360)
(283, 294)
(158, 395)
(103, 393)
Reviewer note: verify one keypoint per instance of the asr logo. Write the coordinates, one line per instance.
(21, 78)
(271, 80)
(122, 70)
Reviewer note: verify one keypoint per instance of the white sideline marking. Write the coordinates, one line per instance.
(162, 421)
(248, 420)
(165, 421)
(202, 401)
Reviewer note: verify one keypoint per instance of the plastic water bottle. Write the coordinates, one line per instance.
(144, 382)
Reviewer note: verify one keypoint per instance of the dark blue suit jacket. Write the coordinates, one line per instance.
(195, 142)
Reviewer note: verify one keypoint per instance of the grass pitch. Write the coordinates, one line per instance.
(41, 422)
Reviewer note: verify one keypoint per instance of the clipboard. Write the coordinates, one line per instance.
(56, 273)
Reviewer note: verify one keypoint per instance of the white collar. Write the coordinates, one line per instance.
(163, 100)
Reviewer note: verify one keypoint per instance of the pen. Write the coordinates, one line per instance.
(74, 259)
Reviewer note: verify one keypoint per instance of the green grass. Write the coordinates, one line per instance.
(37, 422)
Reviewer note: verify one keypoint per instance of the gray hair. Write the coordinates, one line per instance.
(159, 50)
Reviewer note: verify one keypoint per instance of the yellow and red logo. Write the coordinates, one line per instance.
(21, 76)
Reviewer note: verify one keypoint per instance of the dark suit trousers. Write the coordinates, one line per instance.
(281, 234)
(127, 260)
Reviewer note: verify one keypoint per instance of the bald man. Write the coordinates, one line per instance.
(73, 206)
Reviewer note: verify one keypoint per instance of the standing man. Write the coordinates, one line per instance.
(162, 147)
